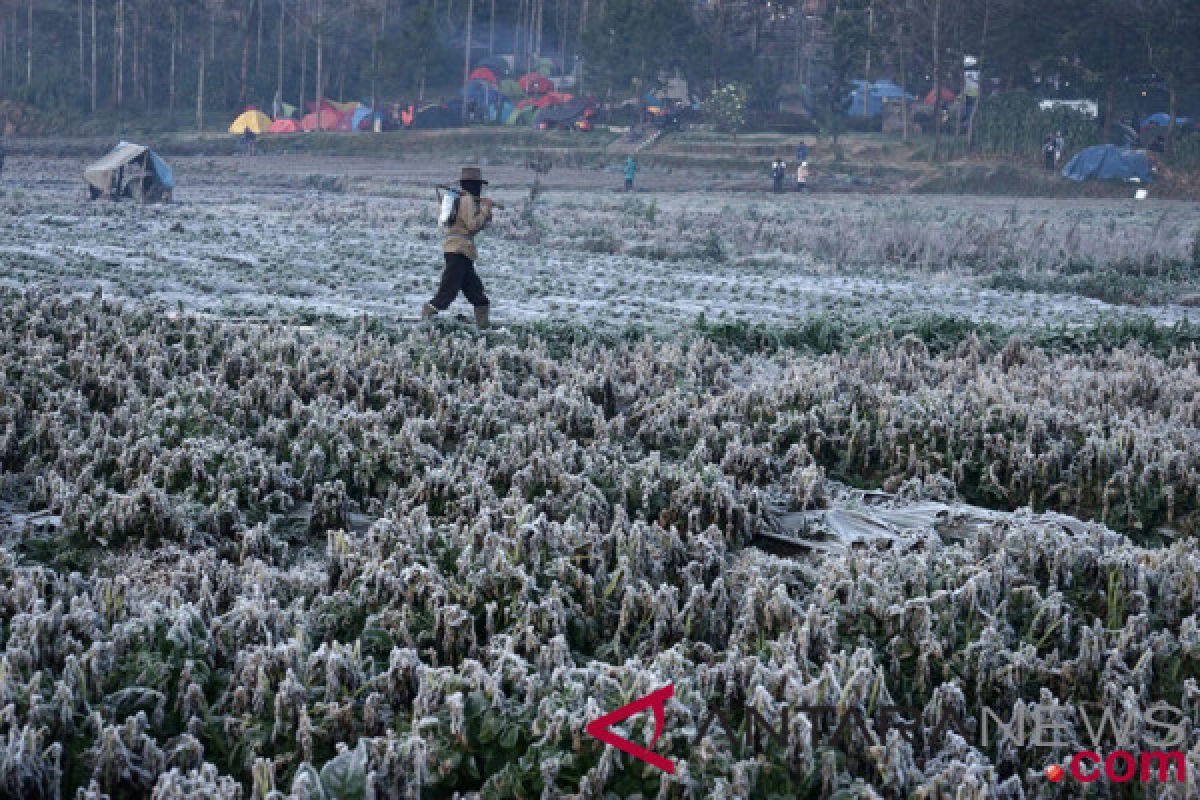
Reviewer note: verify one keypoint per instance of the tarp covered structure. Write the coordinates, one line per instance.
(1106, 162)
(878, 96)
(132, 170)
(254, 121)
(563, 115)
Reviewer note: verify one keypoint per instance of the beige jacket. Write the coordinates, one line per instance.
(472, 218)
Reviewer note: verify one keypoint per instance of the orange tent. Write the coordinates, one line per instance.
(285, 126)
(948, 96)
(329, 121)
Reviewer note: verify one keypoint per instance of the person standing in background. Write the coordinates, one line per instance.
(631, 169)
(778, 173)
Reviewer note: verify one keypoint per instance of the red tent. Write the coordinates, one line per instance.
(535, 83)
(329, 121)
(311, 106)
(947, 96)
(483, 74)
(345, 121)
(285, 126)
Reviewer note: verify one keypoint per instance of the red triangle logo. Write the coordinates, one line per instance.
(656, 700)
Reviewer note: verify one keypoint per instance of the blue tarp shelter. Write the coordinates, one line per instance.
(1107, 162)
(879, 95)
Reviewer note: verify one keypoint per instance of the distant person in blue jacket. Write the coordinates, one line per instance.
(631, 169)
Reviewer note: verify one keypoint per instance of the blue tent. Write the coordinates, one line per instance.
(879, 95)
(1163, 120)
(361, 113)
(1107, 162)
(487, 98)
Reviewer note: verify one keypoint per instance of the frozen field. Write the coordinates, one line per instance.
(287, 236)
(901, 458)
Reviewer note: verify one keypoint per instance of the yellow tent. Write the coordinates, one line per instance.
(251, 120)
(344, 108)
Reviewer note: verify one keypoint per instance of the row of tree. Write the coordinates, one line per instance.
(166, 55)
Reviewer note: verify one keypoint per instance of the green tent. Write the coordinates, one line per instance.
(511, 89)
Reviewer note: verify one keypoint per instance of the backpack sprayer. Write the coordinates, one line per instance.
(448, 195)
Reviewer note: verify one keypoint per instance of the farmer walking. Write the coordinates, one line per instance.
(631, 169)
(1049, 149)
(472, 215)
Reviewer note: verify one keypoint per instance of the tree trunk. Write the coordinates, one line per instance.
(82, 76)
(200, 90)
(244, 72)
(903, 52)
(937, 79)
(29, 46)
(119, 61)
(320, 64)
(517, 35)
(135, 74)
(93, 81)
(1171, 122)
(171, 75)
(492, 31)
(279, 58)
(258, 46)
(467, 53)
(987, 7)
(303, 74)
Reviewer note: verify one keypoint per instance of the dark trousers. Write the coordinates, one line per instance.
(459, 274)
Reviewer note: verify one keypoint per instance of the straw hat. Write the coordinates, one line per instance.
(471, 174)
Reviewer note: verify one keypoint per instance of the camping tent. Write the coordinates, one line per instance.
(948, 96)
(443, 116)
(521, 116)
(1163, 120)
(497, 65)
(363, 118)
(285, 126)
(329, 121)
(535, 83)
(879, 95)
(255, 121)
(130, 170)
(1108, 162)
(483, 74)
(562, 115)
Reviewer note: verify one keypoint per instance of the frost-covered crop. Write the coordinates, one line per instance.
(281, 563)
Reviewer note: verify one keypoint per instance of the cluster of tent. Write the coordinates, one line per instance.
(332, 116)
(882, 94)
(495, 95)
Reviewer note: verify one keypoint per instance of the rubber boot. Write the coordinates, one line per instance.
(481, 316)
(428, 311)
